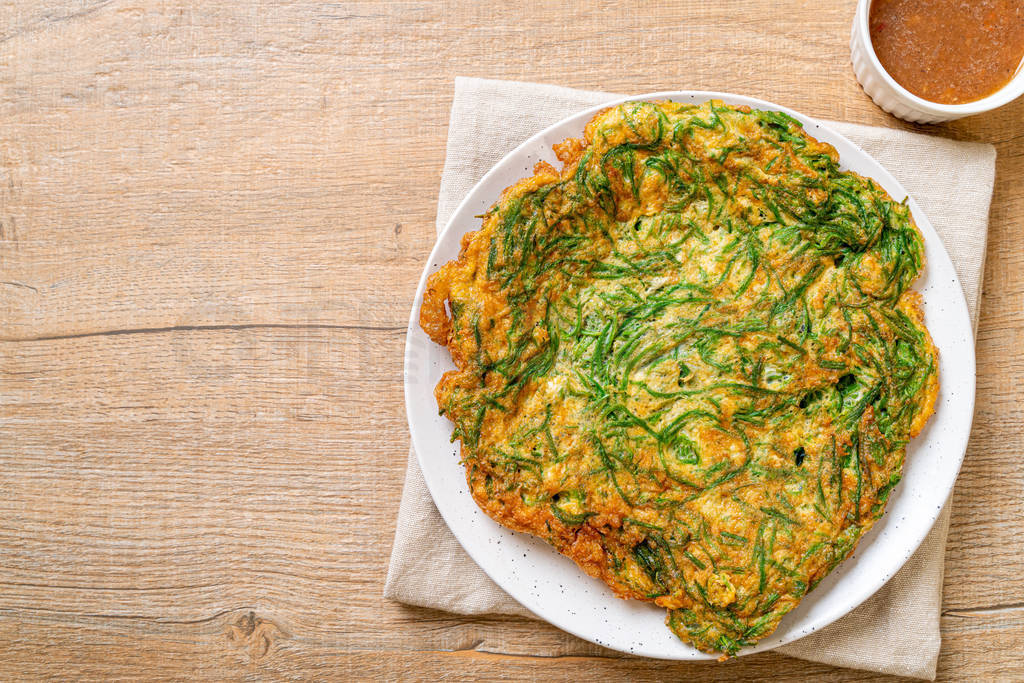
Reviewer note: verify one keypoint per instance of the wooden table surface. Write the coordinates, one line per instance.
(212, 220)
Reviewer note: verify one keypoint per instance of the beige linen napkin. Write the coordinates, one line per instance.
(896, 631)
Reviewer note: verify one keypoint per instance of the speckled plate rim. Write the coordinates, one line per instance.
(551, 586)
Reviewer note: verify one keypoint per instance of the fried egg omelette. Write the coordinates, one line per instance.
(690, 360)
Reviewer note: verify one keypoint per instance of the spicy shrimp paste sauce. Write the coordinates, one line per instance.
(949, 51)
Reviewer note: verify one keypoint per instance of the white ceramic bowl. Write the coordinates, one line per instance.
(900, 102)
(551, 585)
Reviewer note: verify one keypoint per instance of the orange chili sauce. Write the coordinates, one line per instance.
(949, 51)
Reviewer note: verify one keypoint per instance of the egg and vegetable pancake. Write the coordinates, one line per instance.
(690, 360)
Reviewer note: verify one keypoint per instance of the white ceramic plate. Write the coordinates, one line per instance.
(550, 585)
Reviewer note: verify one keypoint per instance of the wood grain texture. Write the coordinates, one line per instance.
(212, 220)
